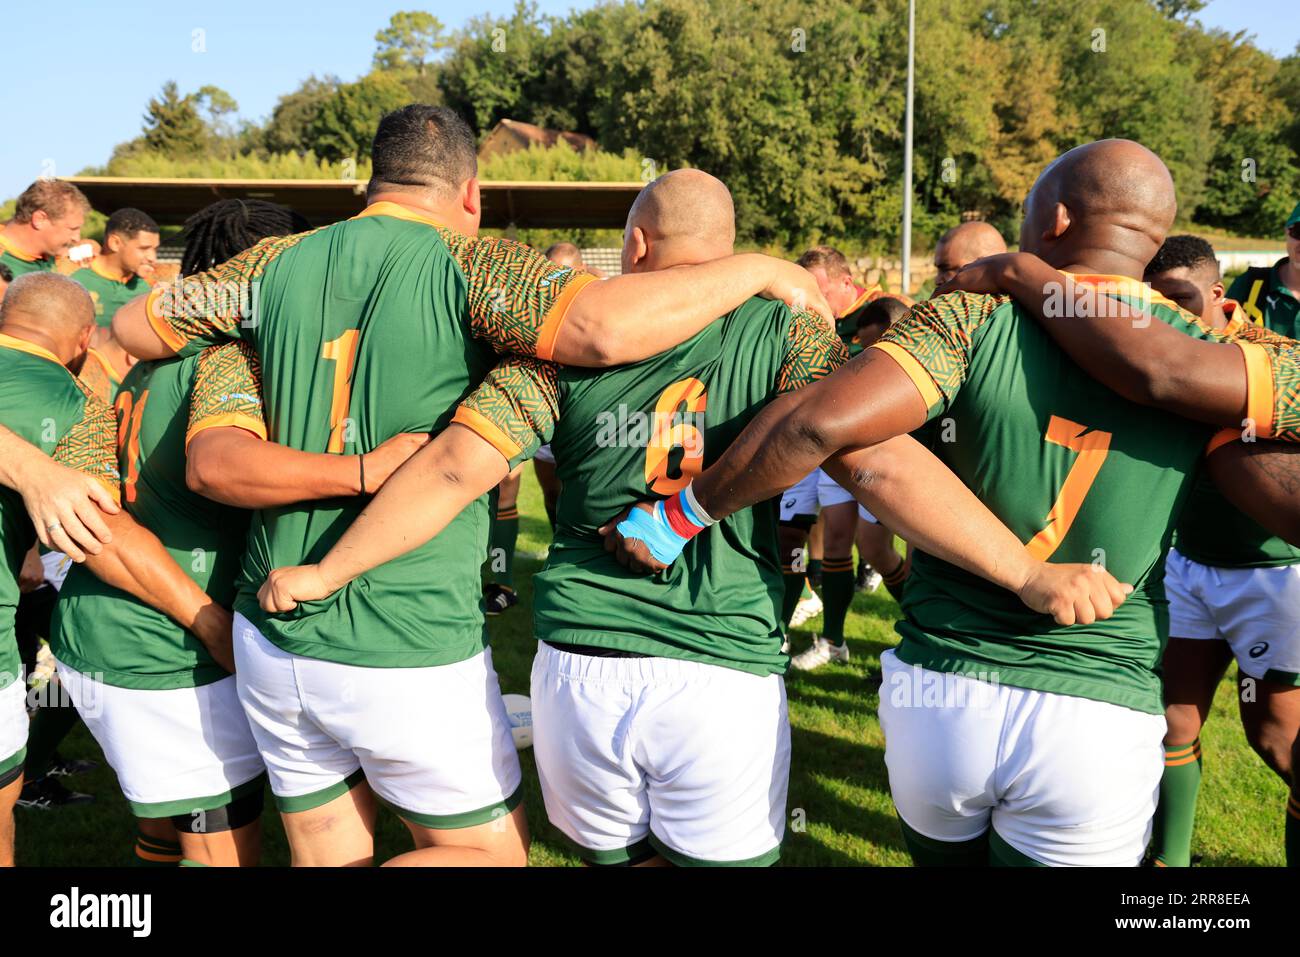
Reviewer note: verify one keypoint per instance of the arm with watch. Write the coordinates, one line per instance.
(229, 459)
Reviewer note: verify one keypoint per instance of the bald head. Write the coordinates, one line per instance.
(51, 311)
(1103, 207)
(683, 217)
(964, 244)
(565, 254)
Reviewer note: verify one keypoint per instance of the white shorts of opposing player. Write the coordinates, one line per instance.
(13, 725)
(176, 751)
(1255, 610)
(637, 755)
(1066, 781)
(434, 742)
(544, 454)
(815, 491)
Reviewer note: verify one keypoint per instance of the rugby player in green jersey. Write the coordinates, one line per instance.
(366, 329)
(1234, 591)
(114, 278)
(1009, 738)
(1270, 295)
(1229, 578)
(45, 325)
(165, 713)
(659, 712)
(46, 223)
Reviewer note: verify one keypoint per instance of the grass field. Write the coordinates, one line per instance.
(839, 794)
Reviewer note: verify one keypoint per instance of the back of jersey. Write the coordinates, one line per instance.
(362, 332)
(1076, 472)
(645, 430)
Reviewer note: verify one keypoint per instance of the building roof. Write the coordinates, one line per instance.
(526, 205)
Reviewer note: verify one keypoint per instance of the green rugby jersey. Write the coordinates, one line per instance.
(1266, 299)
(1213, 531)
(19, 262)
(647, 429)
(99, 376)
(44, 403)
(1075, 471)
(108, 294)
(367, 328)
(100, 630)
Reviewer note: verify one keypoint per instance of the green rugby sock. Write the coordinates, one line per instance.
(1292, 831)
(501, 546)
(794, 582)
(1171, 837)
(48, 728)
(837, 593)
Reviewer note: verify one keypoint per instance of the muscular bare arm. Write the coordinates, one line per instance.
(1263, 480)
(864, 402)
(1144, 360)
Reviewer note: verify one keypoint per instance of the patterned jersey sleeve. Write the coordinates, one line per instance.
(227, 391)
(814, 351)
(214, 306)
(932, 343)
(516, 407)
(517, 297)
(1273, 371)
(90, 445)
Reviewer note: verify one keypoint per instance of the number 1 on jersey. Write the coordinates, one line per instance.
(343, 352)
(1092, 448)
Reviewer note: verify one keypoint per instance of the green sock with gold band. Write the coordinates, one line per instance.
(1171, 836)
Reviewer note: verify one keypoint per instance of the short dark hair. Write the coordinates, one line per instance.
(130, 222)
(6, 274)
(422, 147)
(1182, 252)
(50, 196)
(227, 227)
(884, 311)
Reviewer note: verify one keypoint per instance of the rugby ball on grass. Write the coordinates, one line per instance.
(519, 709)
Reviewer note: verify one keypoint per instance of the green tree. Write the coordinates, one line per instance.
(408, 41)
(172, 123)
(288, 129)
(345, 125)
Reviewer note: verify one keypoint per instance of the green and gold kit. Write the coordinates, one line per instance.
(1076, 472)
(108, 294)
(647, 429)
(45, 404)
(100, 630)
(1266, 300)
(19, 262)
(365, 329)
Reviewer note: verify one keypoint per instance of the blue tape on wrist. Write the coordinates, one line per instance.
(653, 529)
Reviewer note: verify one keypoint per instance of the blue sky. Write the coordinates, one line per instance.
(79, 72)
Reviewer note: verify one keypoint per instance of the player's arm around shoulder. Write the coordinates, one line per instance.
(505, 421)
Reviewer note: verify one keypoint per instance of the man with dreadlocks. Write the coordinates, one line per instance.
(229, 226)
(369, 328)
(161, 701)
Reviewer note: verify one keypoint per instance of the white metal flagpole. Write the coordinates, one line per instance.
(907, 148)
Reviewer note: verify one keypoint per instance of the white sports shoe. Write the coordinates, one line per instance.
(808, 608)
(819, 654)
(868, 579)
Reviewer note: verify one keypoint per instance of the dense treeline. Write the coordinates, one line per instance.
(798, 104)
